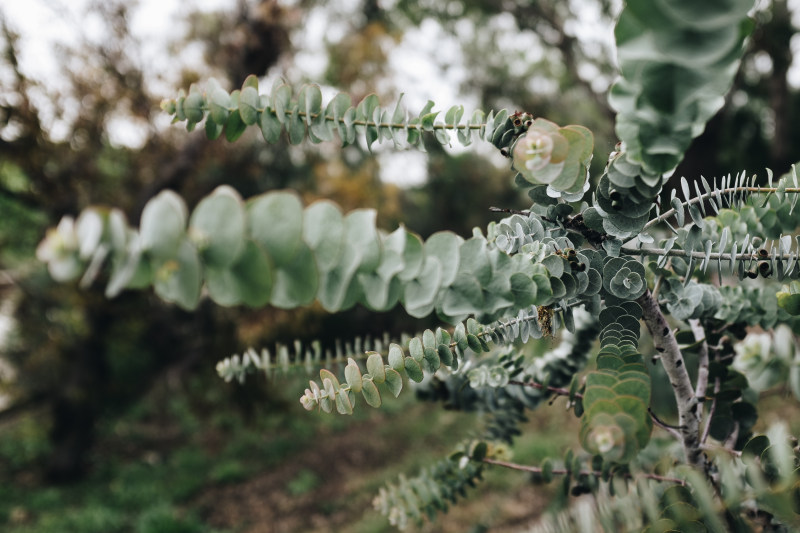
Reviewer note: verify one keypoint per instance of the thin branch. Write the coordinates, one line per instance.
(672, 359)
(672, 430)
(564, 471)
(369, 123)
(730, 190)
(523, 212)
(711, 448)
(730, 442)
(661, 252)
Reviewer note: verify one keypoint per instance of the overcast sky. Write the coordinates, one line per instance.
(45, 23)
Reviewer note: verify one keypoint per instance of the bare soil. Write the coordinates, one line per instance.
(345, 464)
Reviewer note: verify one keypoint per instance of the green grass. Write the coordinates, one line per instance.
(148, 467)
(153, 466)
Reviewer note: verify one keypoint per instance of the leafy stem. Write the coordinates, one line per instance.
(661, 252)
(730, 191)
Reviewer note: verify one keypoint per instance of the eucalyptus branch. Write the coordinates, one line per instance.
(564, 471)
(705, 196)
(671, 357)
(236, 366)
(661, 252)
(366, 123)
(390, 125)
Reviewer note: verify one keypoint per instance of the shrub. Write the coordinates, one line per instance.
(710, 255)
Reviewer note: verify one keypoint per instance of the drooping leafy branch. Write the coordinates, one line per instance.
(502, 387)
(677, 61)
(273, 251)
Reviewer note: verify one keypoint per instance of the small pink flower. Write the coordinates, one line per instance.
(533, 151)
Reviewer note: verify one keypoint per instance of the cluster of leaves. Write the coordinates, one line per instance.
(543, 152)
(624, 279)
(554, 156)
(769, 359)
(746, 233)
(436, 487)
(624, 198)
(616, 423)
(760, 484)
(288, 358)
(272, 251)
(428, 352)
(764, 477)
(752, 306)
(505, 385)
(303, 115)
(677, 59)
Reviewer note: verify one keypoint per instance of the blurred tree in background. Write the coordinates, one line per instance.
(78, 359)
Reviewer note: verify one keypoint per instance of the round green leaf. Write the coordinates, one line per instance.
(394, 382)
(352, 374)
(360, 231)
(376, 368)
(413, 369)
(296, 282)
(163, 225)
(276, 223)
(178, 279)
(343, 404)
(463, 297)
(248, 105)
(335, 284)
(248, 281)
(444, 246)
(371, 393)
(217, 226)
(323, 230)
(420, 293)
(395, 356)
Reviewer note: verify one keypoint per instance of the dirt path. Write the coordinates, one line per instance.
(343, 467)
(265, 503)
